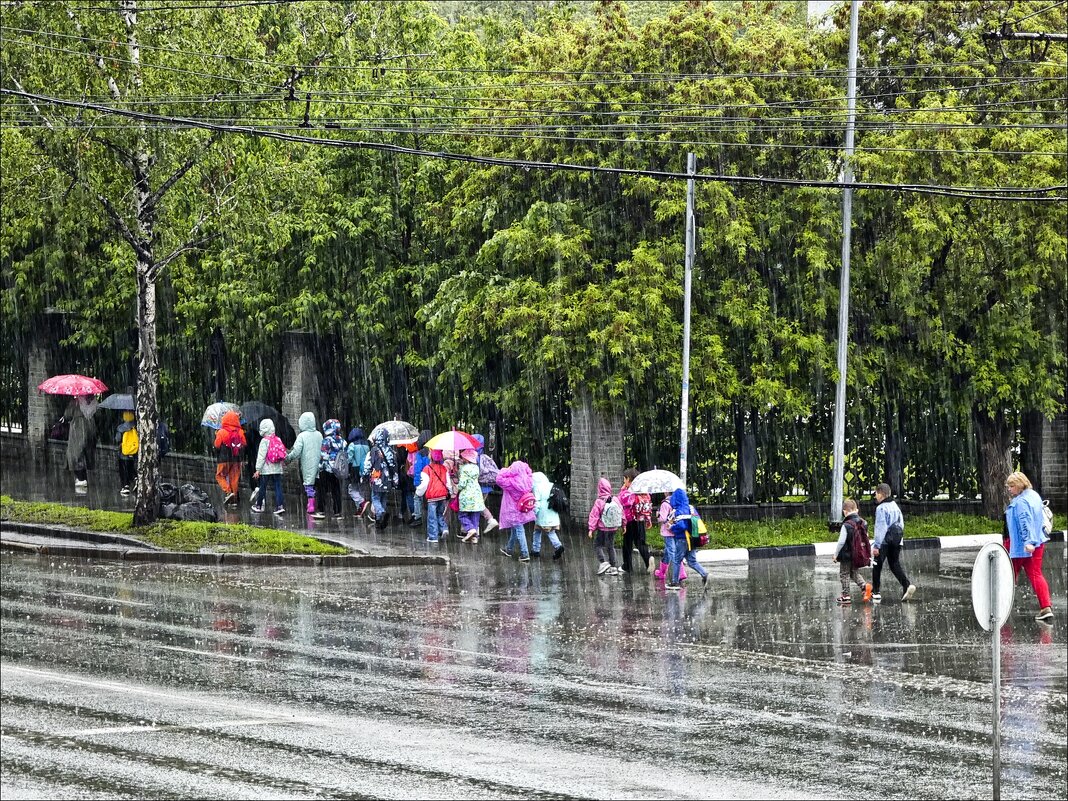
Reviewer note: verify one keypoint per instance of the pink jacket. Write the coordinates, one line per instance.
(516, 480)
(604, 492)
(628, 499)
(664, 517)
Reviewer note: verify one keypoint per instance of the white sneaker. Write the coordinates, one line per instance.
(124, 491)
(909, 592)
(81, 482)
(603, 568)
(652, 563)
(492, 524)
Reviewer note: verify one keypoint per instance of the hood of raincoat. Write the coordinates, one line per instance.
(388, 453)
(680, 504)
(469, 455)
(356, 435)
(540, 485)
(604, 488)
(231, 421)
(437, 457)
(129, 416)
(481, 440)
(266, 427)
(307, 422)
(331, 427)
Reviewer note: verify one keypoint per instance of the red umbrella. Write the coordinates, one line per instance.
(72, 385)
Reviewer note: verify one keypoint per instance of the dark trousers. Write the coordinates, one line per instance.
(634, 537)
(328, 483)
(889, 552)
(127, 470)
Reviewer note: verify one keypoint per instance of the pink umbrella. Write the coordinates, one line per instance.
(72, 384)
(452, 441)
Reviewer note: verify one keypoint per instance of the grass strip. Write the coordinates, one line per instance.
(174, 535)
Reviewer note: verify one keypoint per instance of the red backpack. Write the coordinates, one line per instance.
(526, 502)
(858, 541)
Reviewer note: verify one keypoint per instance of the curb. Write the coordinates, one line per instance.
(744, 555)
(48, 530)
(221, 559)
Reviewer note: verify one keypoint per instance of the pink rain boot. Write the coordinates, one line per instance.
(311, 506)
(661, 569)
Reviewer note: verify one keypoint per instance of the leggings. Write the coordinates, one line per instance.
(1032, 566)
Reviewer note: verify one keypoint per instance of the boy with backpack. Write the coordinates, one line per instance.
(230, 444)
(129, 445)
(606, 518)
(333, 466)
(637, 516)
(684, 529)
(547, 509)
(270, 462)
(357, 451)
(852, 552)
(435, 487)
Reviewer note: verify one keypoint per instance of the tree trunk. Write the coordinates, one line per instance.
(146, 484)
(1032, 432)
(994, 439)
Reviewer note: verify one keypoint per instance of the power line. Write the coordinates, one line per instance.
(1033, 194)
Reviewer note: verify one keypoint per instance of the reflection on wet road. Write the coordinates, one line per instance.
(488, 678)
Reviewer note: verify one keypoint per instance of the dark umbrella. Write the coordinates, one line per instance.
(255, 412)
(119, 402)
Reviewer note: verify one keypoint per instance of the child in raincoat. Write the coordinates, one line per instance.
(487, 477)
(517, 506)
(307, 448)
(546, 520)
(605, 543)
(683, 524)
(328, 481)
(665, 517)
(358, 453)
(269, 474)
(230, 444)
(382, 467)
(126, 439)
(471, 500)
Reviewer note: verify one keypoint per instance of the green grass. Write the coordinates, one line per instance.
(174, 535)
(806, 530)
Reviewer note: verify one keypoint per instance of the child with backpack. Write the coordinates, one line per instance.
(382, 467)
(333, 466)
(307, 448)
(637, 517)
(517, 506)
(358, 451)
(129, 445)
(665, 517)
(435, 487)
(230, 444)
(470, 500)
(684, 531)
(546, 517)
(606, 518)
(487, 477)
(852, 552)
(270, 463)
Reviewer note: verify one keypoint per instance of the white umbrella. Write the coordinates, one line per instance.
(400, 432)
(656, 481)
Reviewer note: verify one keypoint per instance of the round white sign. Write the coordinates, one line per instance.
(992, 561)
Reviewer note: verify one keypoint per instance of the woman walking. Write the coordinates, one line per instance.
(1027, 540)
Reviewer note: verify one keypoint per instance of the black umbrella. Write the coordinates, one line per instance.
(255, 412)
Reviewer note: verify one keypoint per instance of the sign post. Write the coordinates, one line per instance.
(992, 589)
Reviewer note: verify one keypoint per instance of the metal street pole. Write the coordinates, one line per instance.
(995, 635)
(691, 170)
(837, 481)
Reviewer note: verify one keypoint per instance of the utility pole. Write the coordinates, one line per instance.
(837, 481)
(691, 170)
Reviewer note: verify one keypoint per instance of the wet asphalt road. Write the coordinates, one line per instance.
(488, 678)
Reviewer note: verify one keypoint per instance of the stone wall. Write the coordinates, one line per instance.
(1054, 480)
(596, 450)
(300, 386)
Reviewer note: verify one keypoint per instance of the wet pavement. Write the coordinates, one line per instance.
(491, 678)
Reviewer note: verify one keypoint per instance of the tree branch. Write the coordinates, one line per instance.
(194, 244)
(155, 198)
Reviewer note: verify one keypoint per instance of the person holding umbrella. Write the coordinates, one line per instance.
(129, 446)
(81, 442)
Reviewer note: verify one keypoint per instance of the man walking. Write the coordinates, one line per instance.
(889, 532)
